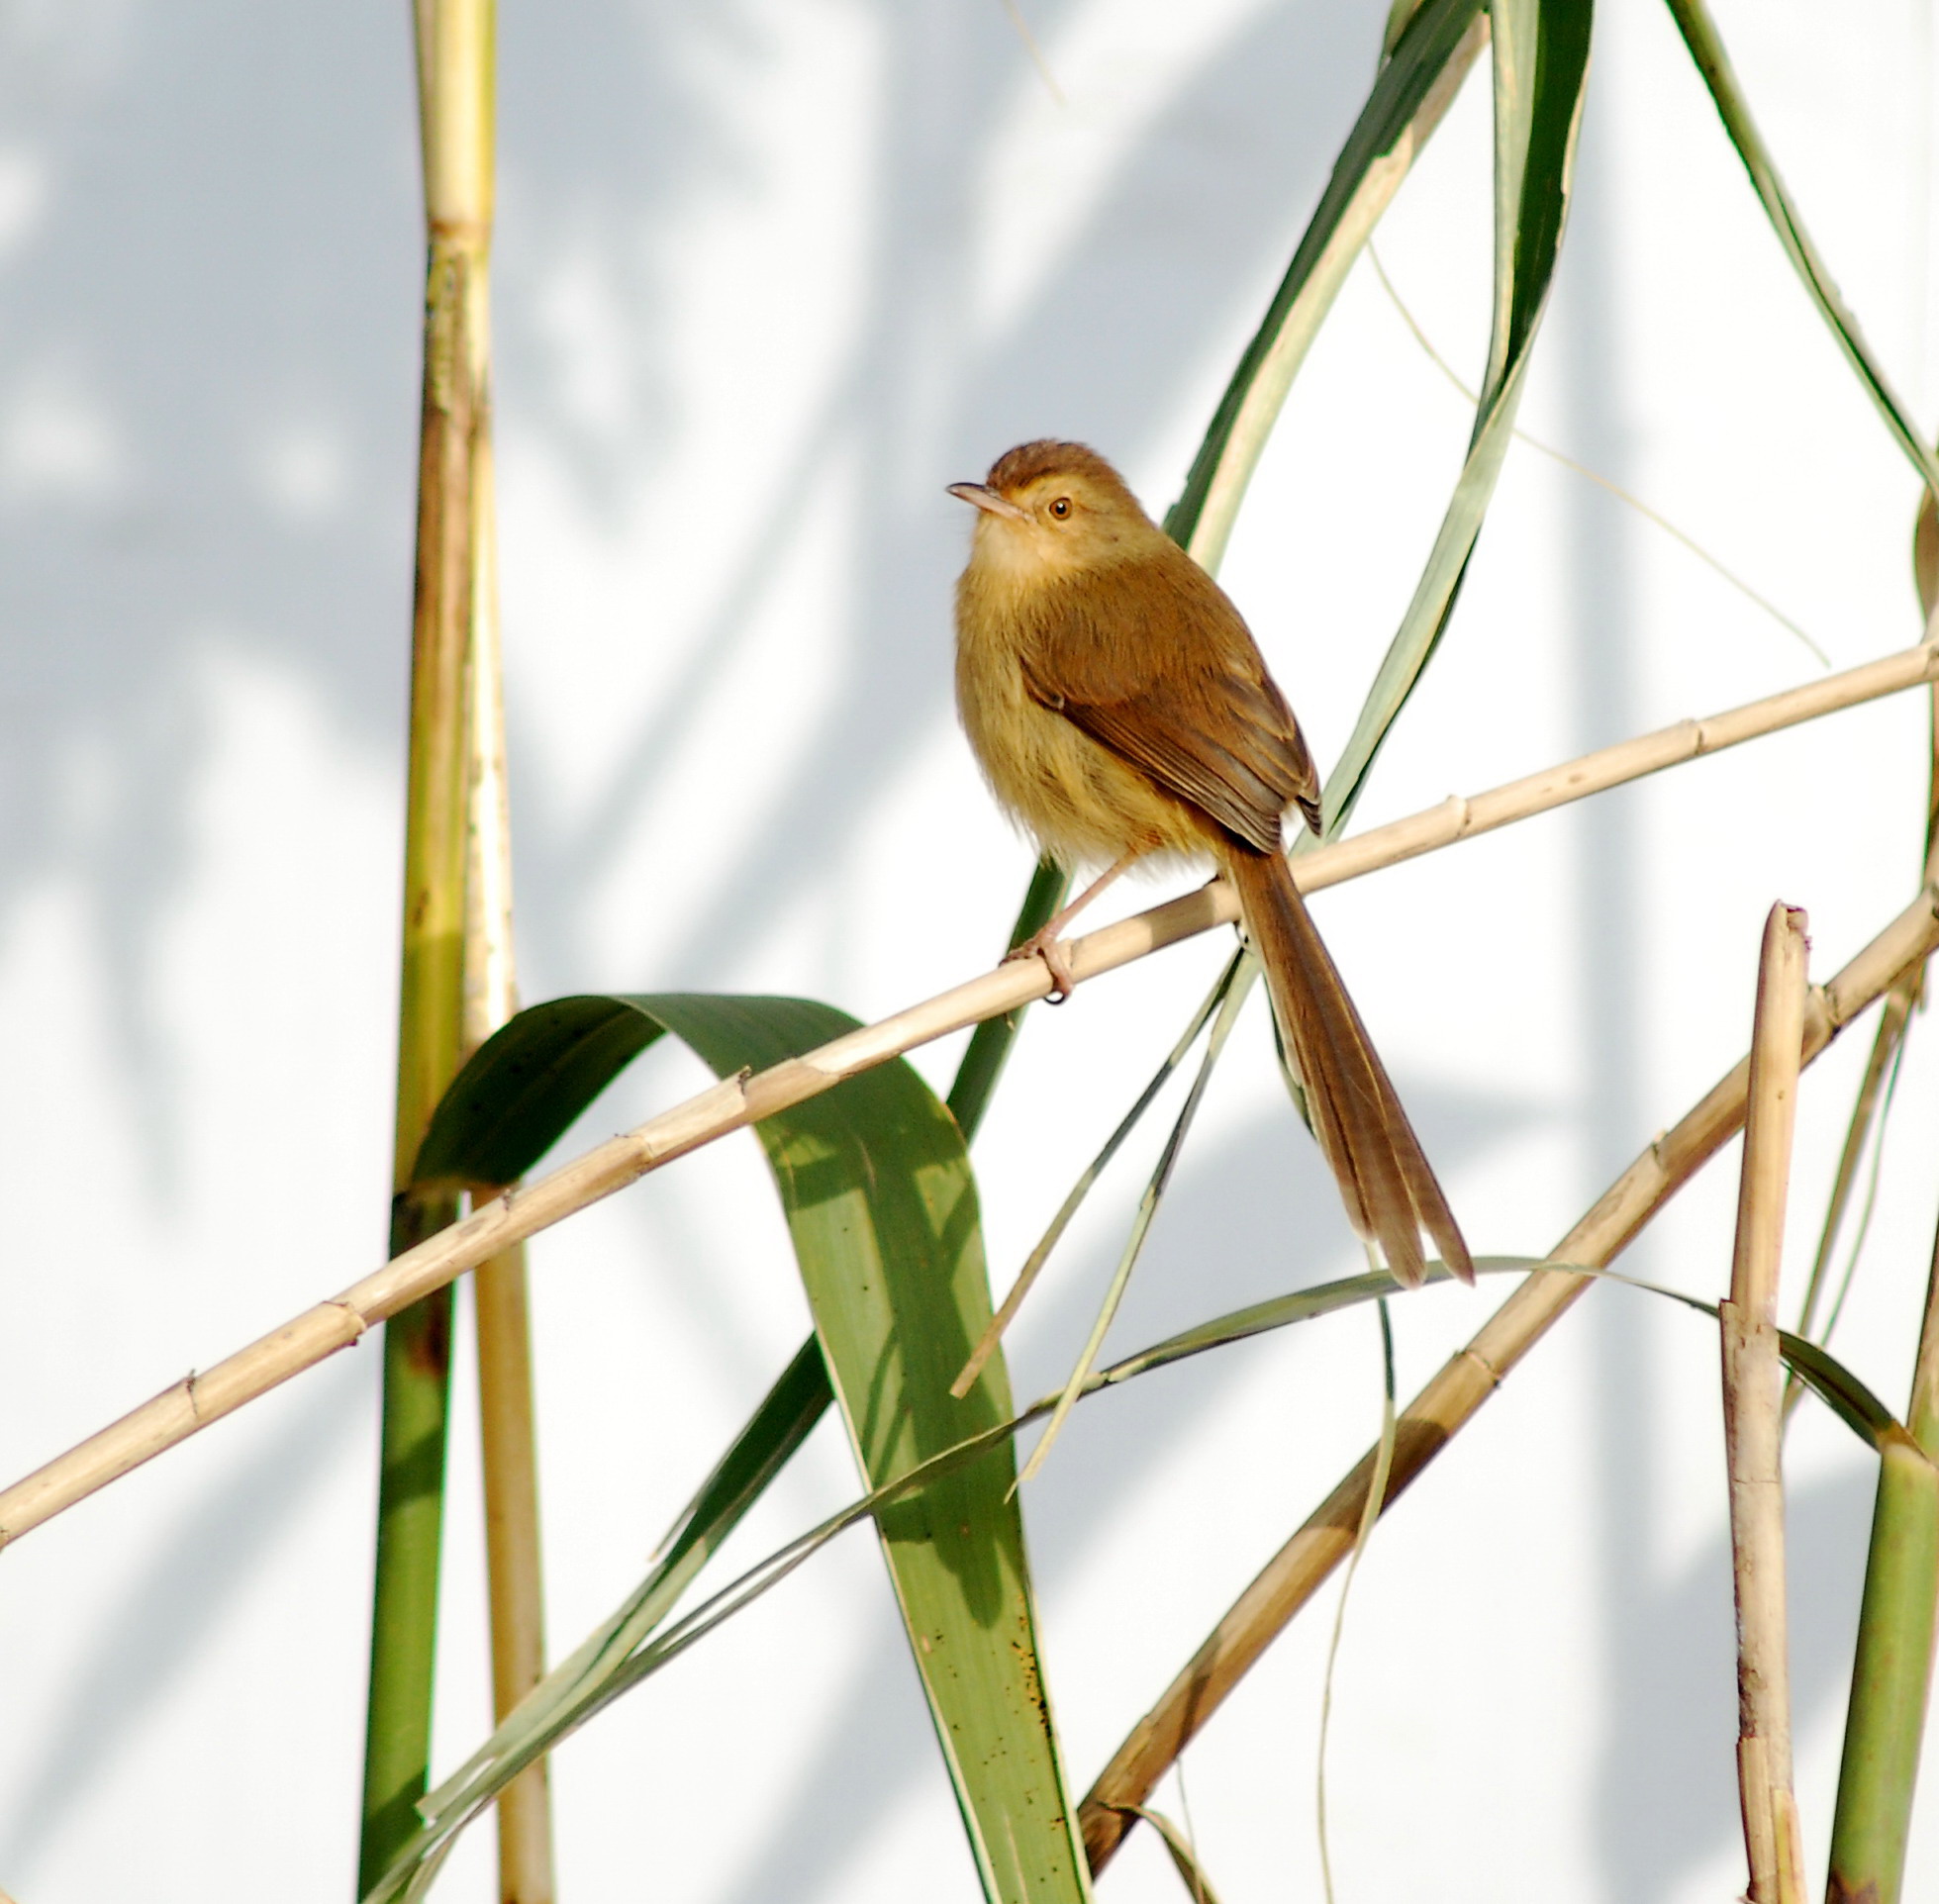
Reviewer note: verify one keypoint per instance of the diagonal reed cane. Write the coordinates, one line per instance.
(1455, 1395)
(191, 1404)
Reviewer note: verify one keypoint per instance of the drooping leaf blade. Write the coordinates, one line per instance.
(524, 1088)
(1823, 1372)
(881, 1203)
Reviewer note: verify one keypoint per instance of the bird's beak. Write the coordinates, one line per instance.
(984, 496)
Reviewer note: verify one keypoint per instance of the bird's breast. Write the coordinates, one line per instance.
(1080, 802)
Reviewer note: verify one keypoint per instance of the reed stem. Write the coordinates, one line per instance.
(1891, 1674)
(454, 46)
(500, 1308)
(1752, 1418)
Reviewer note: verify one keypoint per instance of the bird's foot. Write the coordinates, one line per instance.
(1045, 945)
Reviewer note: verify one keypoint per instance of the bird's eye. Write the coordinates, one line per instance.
(1061, 508)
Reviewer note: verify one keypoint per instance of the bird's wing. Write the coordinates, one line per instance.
(1151, 659)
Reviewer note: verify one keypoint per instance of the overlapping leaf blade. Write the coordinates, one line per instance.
(627, 1649)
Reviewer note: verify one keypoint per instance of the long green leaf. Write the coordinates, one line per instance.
(877, 1187)
(1424, 65)
(1427, 53)
(1541, 60)
(1835, 1385)
(1700, 36)
(881, 1201)
(588, 1679)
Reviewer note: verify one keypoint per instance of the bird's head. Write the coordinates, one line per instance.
(1049, 508)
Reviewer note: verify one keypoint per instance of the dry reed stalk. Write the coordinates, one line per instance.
(511, 1556)
(1753, 1417)
(1448, 1402)
(507, 1429)
(307, 1338)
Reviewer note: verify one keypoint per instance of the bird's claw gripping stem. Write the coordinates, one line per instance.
(1045, 945)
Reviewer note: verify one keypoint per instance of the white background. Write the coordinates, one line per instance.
(768, 277)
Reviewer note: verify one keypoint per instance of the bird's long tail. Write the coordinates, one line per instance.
(1384, 1179)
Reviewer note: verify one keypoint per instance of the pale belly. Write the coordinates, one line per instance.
(1081, 803)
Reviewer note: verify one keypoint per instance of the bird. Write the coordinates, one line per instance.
(1122, 711)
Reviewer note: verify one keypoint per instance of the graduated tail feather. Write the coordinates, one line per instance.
(1384, 1179)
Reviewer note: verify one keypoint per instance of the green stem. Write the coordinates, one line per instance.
(454, 48)
(1892, 1675)
(409, 1526)
(990, 1043)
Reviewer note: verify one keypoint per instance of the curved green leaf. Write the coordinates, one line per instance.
(1541, 60)
(524, 1087)
(881, 1203)
(1425, 64)
(1821, 1371)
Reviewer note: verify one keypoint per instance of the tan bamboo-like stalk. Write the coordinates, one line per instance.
(1752, 1418)
(508, 1428)
(305, 1340)
(1453, 1396)
(511, 1553)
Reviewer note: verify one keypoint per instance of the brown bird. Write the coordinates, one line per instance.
(1120, 707)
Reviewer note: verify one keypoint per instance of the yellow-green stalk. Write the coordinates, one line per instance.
(1892, 1675)
(455, 77)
